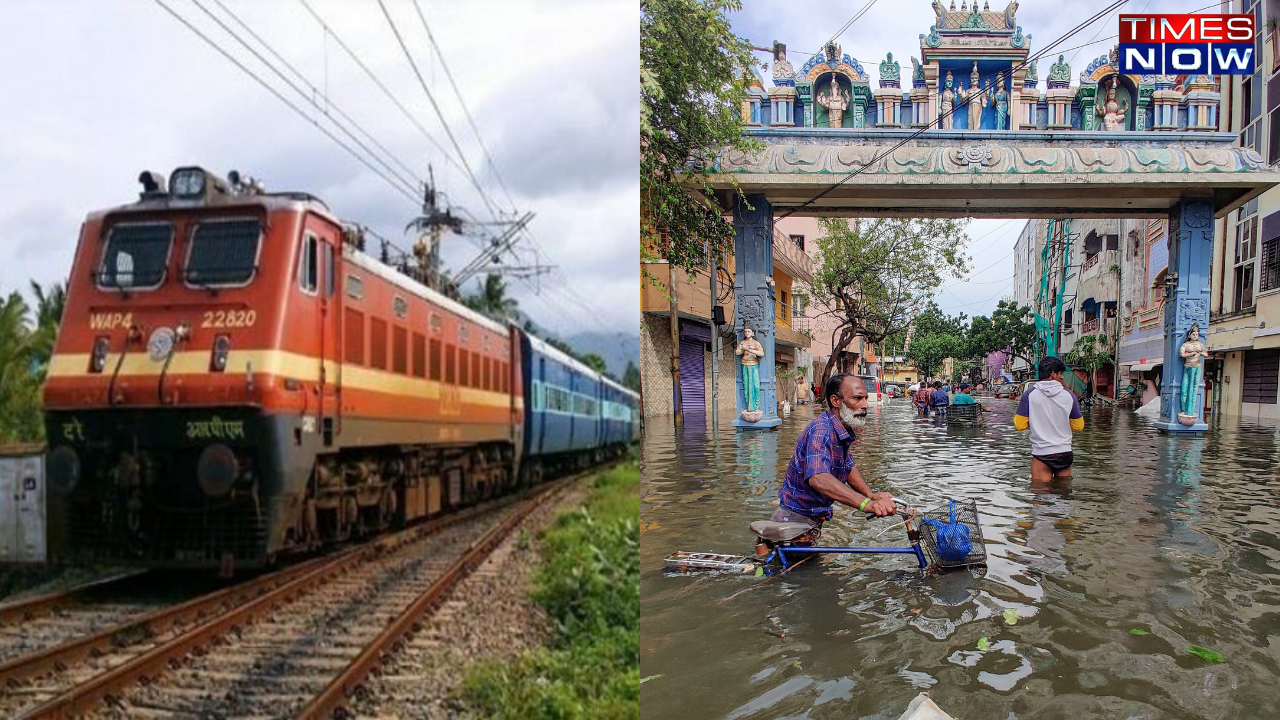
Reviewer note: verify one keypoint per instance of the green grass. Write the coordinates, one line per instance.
(588, 583)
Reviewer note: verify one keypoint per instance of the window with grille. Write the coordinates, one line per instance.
(136, 256)
(1269, 272)
(1261, 376)
(225, 252)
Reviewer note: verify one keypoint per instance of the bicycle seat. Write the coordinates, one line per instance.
(779, 531)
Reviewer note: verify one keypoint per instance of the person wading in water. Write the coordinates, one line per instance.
(821, 471)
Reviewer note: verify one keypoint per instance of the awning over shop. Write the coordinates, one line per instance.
(1146, 367)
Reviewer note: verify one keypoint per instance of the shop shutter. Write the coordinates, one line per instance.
(1261, 376)
(692, 399)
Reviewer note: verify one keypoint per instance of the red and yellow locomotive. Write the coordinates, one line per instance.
(235, 379)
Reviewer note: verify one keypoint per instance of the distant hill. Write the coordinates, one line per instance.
(616, 348)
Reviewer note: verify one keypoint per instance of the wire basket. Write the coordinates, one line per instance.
(967, 515)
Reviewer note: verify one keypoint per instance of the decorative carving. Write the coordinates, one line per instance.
(1060, 73)
(1112, 112)
(1018, 39)
(836, 101)
(933, 40)
(917, 72)
(948, 97)
(832, 53)
(1001, 101)
(975, 21)
(890, 70)
(974, 154)
(751, 308)
(782, 69)
(1010, 17)
(1197, 215)
(1031, 79)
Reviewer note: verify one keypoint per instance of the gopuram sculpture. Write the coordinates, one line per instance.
(1060, 72)
(1192, 351)
(836, 101)
(890, 70)
(976, 97)
(1001, 101)
(782, 69)
(1111, 111)
(948, 103)
(752, 353)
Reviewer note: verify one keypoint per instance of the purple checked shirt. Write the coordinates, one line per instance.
(825, 446)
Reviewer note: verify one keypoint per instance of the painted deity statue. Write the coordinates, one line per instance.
(752, 353)
(836, 101)
(1001, 101)
(1111, 112)
(948, 103)
(976, 98)
(1192, 352)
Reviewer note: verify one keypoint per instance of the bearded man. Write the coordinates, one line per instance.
(821, 471)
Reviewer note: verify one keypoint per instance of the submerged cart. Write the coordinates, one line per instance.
(964, 414)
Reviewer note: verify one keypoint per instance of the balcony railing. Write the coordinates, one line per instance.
(1093, 260)
(1089, 326)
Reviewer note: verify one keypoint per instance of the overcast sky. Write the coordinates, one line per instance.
(895, 26)
(95, 92)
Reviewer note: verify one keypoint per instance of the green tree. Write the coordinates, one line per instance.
(1012, 330)
(595, 362)
(19, 373)
(1089, 353)
(492, 299)
(935, 337)
(631, 378)
(877, 276)
(693, 74)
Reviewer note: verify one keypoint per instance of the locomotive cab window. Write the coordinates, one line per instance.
(136, 256)
(223, 253)
(309, 265)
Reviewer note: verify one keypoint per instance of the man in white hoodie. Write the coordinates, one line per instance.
(1050, 410)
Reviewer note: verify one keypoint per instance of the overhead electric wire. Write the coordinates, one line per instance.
(847, 25)
(412, 182)
(439, 113)
(279, 96)
(881, 155)
(329, 103)
(466, 111)
(444, 153)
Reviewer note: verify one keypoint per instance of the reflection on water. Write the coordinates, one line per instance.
(1178, 538)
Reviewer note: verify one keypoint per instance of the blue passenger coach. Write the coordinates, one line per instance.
(573, 416)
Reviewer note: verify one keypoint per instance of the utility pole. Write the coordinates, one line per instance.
(715, 353)
(675, 350)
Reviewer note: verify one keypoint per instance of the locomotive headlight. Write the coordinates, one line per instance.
(187, 183)
(99, 358)
(161, 344)
(63, 470)
(216, 470)
(221, 346)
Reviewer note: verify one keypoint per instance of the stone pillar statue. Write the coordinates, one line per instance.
(836, 101)
(1001, 101)
(752, 352)
(1192, 351)
(976, 98)
(948, 103)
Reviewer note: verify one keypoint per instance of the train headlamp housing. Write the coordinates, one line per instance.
(218, 359)
(63, 470)
(188, 183)
(98, 360)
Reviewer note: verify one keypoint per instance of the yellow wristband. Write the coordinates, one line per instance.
(862, 507)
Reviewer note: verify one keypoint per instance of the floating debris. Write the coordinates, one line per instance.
(1205, 654)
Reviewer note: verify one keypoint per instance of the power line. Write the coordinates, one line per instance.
(847, 25)
(444, 153)
(470, 120)
(411, 183)
(881, 155)
(439, 114)
(279, 96)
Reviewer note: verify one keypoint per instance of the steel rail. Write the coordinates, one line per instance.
(269, 591)
(335, 696)
(15, 611)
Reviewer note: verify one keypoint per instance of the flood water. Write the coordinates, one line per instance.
(1175, 537)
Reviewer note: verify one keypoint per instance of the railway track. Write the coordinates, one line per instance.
(329, 621)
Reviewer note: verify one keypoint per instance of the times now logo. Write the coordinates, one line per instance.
(1187, 44)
